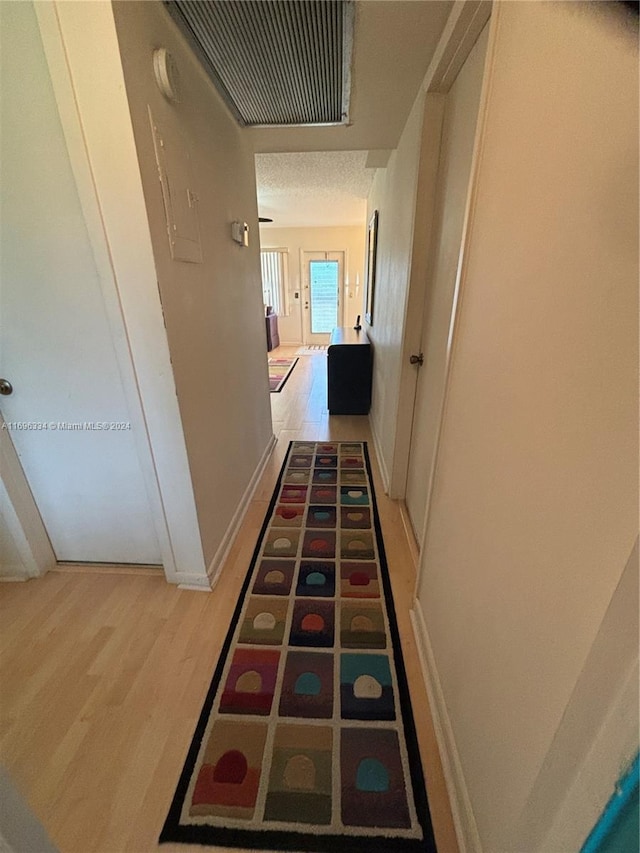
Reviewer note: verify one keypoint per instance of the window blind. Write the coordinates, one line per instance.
(275, 290)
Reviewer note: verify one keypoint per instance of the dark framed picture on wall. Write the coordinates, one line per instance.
(370, 275)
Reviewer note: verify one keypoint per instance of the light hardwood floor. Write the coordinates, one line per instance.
(103, 675)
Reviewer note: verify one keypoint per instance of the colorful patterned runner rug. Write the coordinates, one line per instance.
(306, 740)
(279, 371)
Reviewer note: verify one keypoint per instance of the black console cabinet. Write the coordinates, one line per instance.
(349, 368)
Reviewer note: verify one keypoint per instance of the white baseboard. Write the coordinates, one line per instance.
(461, 810)
(221, 554)
(198, 583)
(384, 474)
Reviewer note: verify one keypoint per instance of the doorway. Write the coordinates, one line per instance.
(65, 406)
(323, 276)
(454, 170)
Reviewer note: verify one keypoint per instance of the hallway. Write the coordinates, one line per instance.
(104, 673)
(300, 409)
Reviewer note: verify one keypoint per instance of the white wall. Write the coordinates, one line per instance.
(393, 194)
(213, 310)
(534, 511)
(348, 239)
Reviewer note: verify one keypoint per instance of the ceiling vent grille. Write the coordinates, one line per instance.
(276, 62)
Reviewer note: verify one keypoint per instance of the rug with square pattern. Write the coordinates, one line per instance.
(306, 740)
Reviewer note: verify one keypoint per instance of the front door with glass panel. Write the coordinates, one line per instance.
(323, 288)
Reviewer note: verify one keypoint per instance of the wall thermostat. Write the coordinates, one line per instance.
(240, 233)
(166, 74)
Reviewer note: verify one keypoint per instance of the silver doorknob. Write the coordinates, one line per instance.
(417, 359)
(6, 387)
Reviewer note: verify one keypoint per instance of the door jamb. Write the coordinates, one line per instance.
(464, 25)
(21, 514)
(134, 313)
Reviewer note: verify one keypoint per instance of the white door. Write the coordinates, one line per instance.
(323, 295)
(458, 134)
(67, 416)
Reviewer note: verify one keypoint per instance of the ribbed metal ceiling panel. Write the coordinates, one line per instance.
(276, 62)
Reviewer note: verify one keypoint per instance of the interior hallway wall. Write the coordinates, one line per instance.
(350, 239)
(534, 510)
(213, 310)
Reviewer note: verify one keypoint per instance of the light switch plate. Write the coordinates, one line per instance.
(240, 233)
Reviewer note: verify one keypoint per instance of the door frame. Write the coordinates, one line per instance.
(21, 516)
(71, 34)
(465, 23)
(463, 27)
(305, 283)
(438, 308)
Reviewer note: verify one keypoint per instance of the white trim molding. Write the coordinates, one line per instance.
(465, 23)
(461, 810)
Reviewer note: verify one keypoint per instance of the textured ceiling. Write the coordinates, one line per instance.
(317, 171)
(313, 188)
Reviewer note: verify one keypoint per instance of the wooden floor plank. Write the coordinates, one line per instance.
(103, 675)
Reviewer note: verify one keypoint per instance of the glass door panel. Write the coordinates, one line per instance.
(323, 289)
(323, 296)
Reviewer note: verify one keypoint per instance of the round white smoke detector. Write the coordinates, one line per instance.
(166, 73)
